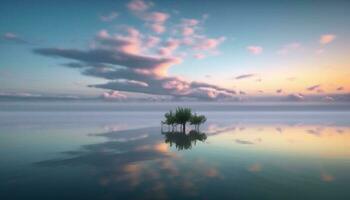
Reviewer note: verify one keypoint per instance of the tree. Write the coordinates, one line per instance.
(197, 120)
(170, 119)
(183, 115)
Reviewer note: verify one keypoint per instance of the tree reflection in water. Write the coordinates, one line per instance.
(184, 141)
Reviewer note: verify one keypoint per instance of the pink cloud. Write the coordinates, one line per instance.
(209, 43)
(340, 88)
(187, 31)
(311, 88)
(289, 48)
(256, 50)
(328, 38)
(177, 85)
(103, 34)
(128, 43)
(189, 22)
(151, 41)
(169, 47)
(113, 95)
(138, 5)
(157, 17)
(199, 56)
(129, 59)
(156, 21)
(157, 28)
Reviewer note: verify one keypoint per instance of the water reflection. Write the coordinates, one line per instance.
(184, 141)
(140, 160)
(234, 159)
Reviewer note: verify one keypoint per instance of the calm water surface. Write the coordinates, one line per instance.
(122, 154)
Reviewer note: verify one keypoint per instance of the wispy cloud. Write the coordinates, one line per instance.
(239, 141)
(288, 48)
(312, 88)
(340, 88)
(113, 95)
(138, 5)
(244, 76)
(13, 37)
(155, 20)
(327, 38)
(109, 17)
(294, 97)
(256, 50)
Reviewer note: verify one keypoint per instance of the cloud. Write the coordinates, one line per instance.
(113, 95)
(13, 96)
(243, 141)
(188, 26)
(12, 37)
(256, 50)
(209, 43)
(326, 39)
(170, 46)
(157, 28)
(199, 56)
(151, 41)
(244, 76)
(286, 49)
(328, 98)
(294, 97)
(187, 31)
(110, 17)
(156, 17)
(189, 22)
(137, 62)
(120, 59)
(154, 20)
(279, 91)
(138, 5)
(312, 88)
(340, 88)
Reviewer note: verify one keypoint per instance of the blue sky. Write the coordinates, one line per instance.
(200, 48)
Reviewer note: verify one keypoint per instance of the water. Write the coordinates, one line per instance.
(112, 151)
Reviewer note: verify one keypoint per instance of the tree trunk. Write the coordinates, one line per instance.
(184, 128)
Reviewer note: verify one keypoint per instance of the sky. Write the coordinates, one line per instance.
(176, 49)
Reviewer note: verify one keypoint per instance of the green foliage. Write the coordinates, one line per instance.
(197, 119)
(183, 115)
(170, 118)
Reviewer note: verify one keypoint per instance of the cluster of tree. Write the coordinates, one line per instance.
(181, 117)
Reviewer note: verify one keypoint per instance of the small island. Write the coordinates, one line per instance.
(181, 117)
